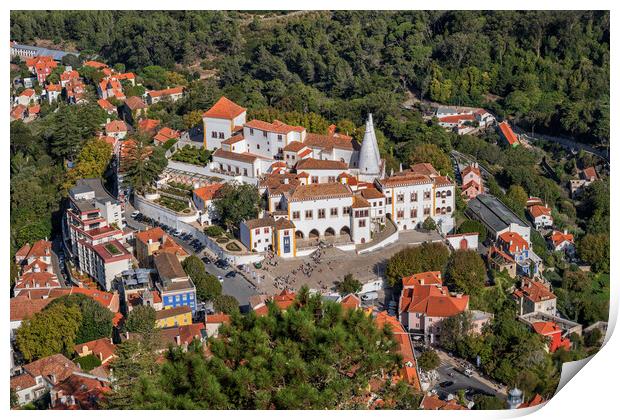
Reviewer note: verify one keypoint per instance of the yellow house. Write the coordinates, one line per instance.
(174, 317)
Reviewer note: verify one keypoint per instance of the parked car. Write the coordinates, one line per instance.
(177, 232)
(206, 260)
(446, 384)
(135, 214)
(230, 274)
(369, 296)
(221, 279)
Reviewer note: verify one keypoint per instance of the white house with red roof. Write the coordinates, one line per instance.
(220, 122)
(540, 215)
(52, 92)
(586, 177)
(472, 184)
(203, 200)
(562, 241)
(117, 129)
(26, 98)
(172, 94)
(512, 243)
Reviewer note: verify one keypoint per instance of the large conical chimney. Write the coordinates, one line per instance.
(369, 160)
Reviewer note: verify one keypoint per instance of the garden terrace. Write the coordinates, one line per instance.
(192, 155)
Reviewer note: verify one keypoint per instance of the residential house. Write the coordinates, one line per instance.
(102, 348)
(528, 263)
(107, 107)
(19, 112)
(433, 402)
(282, 301)
(148, 126)
(268, 234)
(165, 134)
(425, 303)
(152, 241)
(562, 241)
(586, 177)
(472, 181)
(203, 201)
(182, 336)
(80, 391)
(534, 296)
(499, 260)
(40, 376)
(213, 323)
(26, 98)
(173, 317)
(540, 216)
(170, 94)
(132, 109)
(52, 92)
(175, 286)
(67, 76)
(117, 129)
(553, 334)
(220, 122)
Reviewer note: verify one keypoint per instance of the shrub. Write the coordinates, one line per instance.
(88, 362)
(214, 231)
(232, 246)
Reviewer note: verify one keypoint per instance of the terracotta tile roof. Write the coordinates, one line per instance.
(32, 280)
(275, 127)
(371, 193)
(165, 134)
(36, 264)
(23, 307)
(95, 64)
(170, 312)
(208, 192)
(433, 301)
(350, 301)
(23, 251)
(282, 301)
(134, 102)
(509, 135)
(360, 202)
(148, 125)
(320, 191)
(294, 146)
(39, 249)
(333, 141)
(304, 153)
(546, 327)
(442, 181)
(534, 291)
(104, 104)
(234, 139)
(27, 92)
(33, 110)
(423, 279)
(241, 157)
(538, 211)
(405, 179)
(87, 392)
(424, 169)
(471, 168)
(102, 348)
(225, 109)
(106, 299)
(494, 251)
(432, 402)
(53, 88)
(558, 237)
(69, 75)
(116, 126)
(514, 242)
(23, 381)
(166, 242)
(186, 334)
(218, 318)
(18, 111)
(456, 119)
(165, 92)
(590, 173)
(536, 400)
(311, 163)
(57, 365)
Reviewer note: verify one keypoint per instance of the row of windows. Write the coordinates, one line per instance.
(265, 134)
(215, 134)
(236, 169)
(321, 213)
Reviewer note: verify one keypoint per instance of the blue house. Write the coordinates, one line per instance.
(175, 286)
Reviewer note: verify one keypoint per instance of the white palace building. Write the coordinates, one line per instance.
(321, 186)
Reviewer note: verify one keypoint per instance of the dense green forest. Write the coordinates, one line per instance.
(547, 70)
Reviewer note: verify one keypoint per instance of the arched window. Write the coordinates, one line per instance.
(448, 193)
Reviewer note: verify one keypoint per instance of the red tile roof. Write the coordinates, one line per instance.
(456, 119)
(102, 348)
(432, 300)
(538, 211)
(432, 402)
(38, 280)
(148, 125)
(165, 134)
(311, 163)
(56, 365)
(282, 301)
(294, 146)
(106, 105)
(509, 135)
(350, 301)
(18, 112)
(170, 91)
(116, 126)
(87, 392)
(558, 237)
(23, 307)
(225, 109)
(589, 173)
(207, 192)
(514, 242)
(95, 64)
(320, 191)
(219, 318)
(23, 381)
(534, 291)
(330, 141)
(275, 127)
(422, 279)
(134, 102)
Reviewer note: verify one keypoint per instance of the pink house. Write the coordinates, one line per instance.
(472, 181)
(425, 302)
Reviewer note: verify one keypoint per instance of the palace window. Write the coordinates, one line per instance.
(295, 215)
(321, 213)
(309, 214)
(333, 212)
